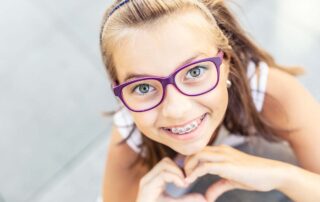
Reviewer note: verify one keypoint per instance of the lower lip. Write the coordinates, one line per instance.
(189, 136)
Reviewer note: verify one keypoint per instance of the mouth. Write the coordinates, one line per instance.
(188, 131)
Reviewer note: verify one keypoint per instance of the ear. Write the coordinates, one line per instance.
(225, 69)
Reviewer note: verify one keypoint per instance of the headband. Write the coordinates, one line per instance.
(118, 6)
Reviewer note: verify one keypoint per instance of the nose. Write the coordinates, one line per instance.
(175, 105)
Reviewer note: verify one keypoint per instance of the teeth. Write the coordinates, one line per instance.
(185, 129)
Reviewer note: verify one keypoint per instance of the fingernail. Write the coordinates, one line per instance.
(188, 179)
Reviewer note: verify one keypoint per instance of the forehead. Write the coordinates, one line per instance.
(160, 49)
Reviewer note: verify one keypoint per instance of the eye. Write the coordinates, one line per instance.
(196, 72)
(142, 89)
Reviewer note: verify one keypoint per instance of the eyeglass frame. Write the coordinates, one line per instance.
(217, 61)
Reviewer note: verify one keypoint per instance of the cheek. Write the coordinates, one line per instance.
(145, 122)
(216, 100)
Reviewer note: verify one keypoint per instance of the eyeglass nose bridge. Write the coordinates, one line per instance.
(169, 80)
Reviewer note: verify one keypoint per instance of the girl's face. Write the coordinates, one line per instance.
(159, 52)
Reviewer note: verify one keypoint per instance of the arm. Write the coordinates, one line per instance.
(120, 183)
(302, 112)
(300, 184)
(299, 110)
(240, 170)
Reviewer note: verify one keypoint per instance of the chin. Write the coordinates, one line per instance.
(190, 150)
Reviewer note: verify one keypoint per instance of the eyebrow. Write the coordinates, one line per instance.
(136, 76)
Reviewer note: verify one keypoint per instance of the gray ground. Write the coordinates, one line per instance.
(53, 88)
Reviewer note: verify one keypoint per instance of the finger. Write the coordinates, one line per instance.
(221, 148)
(166, 177)
(193, 197)
(216, 168)
(154, 182)
(165, 164)
(192, 162)
(176, 169)
(218, 188)
(169, 165)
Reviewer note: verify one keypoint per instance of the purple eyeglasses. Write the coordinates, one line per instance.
(193, 79)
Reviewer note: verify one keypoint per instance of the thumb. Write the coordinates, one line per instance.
(193, 197)
(218, 188)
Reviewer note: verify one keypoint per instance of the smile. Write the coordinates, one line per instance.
(187, 128)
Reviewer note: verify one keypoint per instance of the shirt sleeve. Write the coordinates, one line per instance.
(124, 123)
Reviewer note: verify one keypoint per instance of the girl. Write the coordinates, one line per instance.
(198, 100)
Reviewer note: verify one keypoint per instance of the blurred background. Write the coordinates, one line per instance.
(53, 88)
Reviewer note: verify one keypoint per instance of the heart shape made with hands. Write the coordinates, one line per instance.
(191, 164)
(215, 190)
(235, 169)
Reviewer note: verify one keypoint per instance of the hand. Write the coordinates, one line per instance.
(152, 185)
(237, 169)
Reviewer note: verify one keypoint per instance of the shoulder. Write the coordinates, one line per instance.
(294, 107)
(282, 84)
(117, 175)
(114, 148)
(125, 126)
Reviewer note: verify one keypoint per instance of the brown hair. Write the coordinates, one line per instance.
(241, 116)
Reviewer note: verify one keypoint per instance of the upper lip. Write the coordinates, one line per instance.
(181, 125)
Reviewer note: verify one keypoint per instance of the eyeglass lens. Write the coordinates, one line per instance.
(191, 80)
